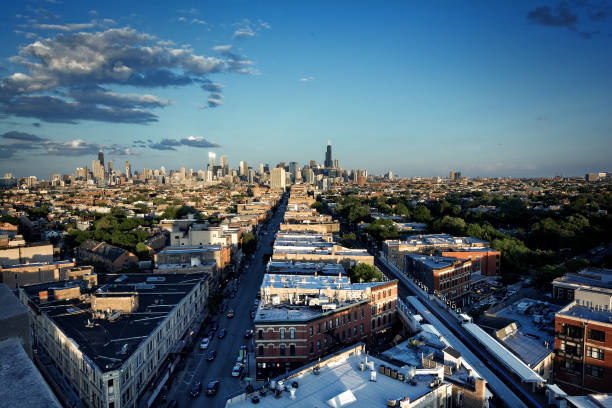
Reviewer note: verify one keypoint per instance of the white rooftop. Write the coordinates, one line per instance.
(340, 379)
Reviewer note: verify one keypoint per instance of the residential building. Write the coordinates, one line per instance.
(449, 277)
(113, 258)
(109, 351)
(35, 273)
(302, 318)
(583, 343)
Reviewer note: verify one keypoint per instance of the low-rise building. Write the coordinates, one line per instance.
(35, 273)
(113, 258)
(112, 341)
(583, 343)
(302, 318)
(450, 277)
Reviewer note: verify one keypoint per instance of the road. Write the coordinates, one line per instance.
(196, 365)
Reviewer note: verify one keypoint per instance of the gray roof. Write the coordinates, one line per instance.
(10, 305)
(22, 384)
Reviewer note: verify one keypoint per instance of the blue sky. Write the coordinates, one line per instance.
(418, 88)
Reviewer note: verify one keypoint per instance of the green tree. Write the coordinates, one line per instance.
(421, 213)
(382, 230)
(142, 252)
(317, 205)
(349, 240)
(249, 243)
(363, 272)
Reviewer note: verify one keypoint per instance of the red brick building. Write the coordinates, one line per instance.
(450, 277)
(293, 333)
(484, 260)
(583, 345)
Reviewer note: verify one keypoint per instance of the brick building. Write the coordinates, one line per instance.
(302, 318)
(450, 277)
(583, 343)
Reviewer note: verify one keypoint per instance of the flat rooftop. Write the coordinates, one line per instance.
(582, 312)
(22, 383)
(190, 249)
(38, 265)
(434, 262)
(300, 268)
(103, 340)
(340, 375)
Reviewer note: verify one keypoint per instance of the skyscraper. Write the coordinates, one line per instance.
(328, 157)
(101, 158)
(211, 160)
(223, 161)
(277, 178)
(128, 170)
(243, 168)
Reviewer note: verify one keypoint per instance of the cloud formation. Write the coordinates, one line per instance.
(568, 15)
(198, 142)
(307, 79)
(78, 68)
(165, 144)
(21, 141)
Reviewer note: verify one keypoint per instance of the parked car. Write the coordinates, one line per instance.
(252, 314)
(230, 313)
(205, 343)
(248, 334)
(196, 389)
(222, 333)
(211, 355)
(214, 325)
(237, 370)
(212, 388)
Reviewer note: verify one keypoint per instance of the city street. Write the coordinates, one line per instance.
(196, 365)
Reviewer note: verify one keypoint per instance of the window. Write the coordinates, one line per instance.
(597, 335)
(260, 334)
(355, 314)
(373, 310)
(331, 323)
(385, 319)
(261, 350)
(337, 321)
(594, 371)
(325, 325)
(292, 333)
(573, 331)
(283, 350)
(355, 330)
(384, 294)
(373, 323)
(319, 328)
(348, 333)
(319, 345)
(343, 335)
(282, 333)
(310, 331)
(311, 347)
(349, 316)
(343, 320)
(362, 312)
(362, 330)
(292, 350)
(595, 352)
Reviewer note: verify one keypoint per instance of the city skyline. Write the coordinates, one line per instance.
(518, 89)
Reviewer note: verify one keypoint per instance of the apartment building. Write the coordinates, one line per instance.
(451, 277)
(101, 338)
(583, 343)
(32, 274)
(302, 318)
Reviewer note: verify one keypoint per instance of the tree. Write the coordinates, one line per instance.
(421, 213)
(363, 272)
(317, 205)
(142, 252)
(382, 229)
(349, 240)
(249, 243)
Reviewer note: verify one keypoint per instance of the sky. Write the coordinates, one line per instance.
(516, 88)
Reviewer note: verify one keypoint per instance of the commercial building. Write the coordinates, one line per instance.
(593, 279)
(302, 318)
(350, 376)
(583, 343)
(112, 341)
(194, 255)
(449, 277)
(35, 273)
(277, 179)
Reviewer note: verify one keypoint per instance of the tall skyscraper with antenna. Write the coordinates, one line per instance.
(328, 157)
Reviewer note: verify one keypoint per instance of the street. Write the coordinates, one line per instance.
(196, 365)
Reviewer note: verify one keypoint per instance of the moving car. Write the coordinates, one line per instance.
(196, 389)
(204, 344)
(222, 333)
(237, 370)
(212, 388)
(211, 355)
(248, 334)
